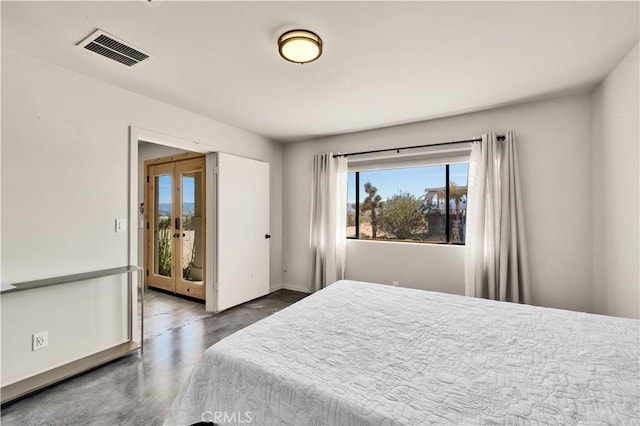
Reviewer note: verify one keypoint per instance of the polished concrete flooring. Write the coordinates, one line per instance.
(139, 390)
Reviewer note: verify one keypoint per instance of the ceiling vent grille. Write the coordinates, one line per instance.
(114, 48)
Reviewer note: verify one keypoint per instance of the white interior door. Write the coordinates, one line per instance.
(243, 230)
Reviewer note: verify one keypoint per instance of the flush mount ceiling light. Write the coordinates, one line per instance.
(300, 46)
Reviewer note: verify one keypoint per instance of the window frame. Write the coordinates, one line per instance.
(447, 213)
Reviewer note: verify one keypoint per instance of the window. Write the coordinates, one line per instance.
(419, 204)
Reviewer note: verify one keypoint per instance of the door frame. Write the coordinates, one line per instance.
(137, 135)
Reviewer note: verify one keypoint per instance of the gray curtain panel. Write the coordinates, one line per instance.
(496, 262)
(327, 233)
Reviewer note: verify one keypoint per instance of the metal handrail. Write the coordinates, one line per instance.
(66, 279)
(57, 374)
(39, 381)
(46, 282)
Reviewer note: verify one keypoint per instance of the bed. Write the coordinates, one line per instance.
(367, 354)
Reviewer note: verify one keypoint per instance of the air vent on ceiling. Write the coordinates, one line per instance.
(114, 48)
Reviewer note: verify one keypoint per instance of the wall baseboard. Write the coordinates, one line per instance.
(294, 287)
(275, 287)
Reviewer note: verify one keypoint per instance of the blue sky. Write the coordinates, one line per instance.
(412, 179)
(164, 189)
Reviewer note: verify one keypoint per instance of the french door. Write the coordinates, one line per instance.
(175, 226)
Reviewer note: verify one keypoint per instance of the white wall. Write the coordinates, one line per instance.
(424, 266)
(616, 137)
(65, 160)
(554, 142)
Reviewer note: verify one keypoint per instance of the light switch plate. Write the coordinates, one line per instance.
(121, 225)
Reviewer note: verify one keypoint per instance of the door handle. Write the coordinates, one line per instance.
(267, 236)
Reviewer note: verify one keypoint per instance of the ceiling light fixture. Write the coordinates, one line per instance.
(300, 46)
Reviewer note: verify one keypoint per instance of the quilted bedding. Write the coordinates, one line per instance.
(366, 354)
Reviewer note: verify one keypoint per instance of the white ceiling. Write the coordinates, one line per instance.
(384, 63)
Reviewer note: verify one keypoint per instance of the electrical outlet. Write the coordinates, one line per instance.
(40, 340)
(396, 283)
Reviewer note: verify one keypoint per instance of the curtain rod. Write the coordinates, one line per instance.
(500, 137)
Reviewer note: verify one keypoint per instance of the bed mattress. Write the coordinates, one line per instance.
(367, 354)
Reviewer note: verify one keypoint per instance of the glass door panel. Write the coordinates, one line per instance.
(160, 240)
(192, 226)
(190, 174)
(162, 237)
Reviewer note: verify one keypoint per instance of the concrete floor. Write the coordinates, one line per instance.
(139, 390)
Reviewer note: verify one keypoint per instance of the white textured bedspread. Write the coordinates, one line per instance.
(366, 354)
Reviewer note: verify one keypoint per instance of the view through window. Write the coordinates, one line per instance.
(421, 204)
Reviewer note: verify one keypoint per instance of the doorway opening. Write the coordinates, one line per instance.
(171, 235)
(233, 266)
